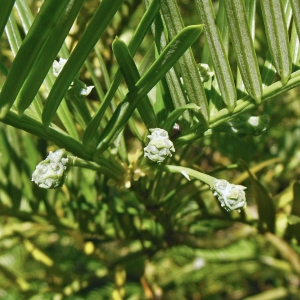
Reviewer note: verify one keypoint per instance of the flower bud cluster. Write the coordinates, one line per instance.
(160, 146)
(230, 196)
(50, 173)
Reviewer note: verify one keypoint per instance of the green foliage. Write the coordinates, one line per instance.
(123, 226)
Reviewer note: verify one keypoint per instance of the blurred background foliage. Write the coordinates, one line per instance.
(163, 239)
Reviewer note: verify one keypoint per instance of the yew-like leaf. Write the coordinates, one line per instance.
(277, 37)
(244, 48)
(218, 53)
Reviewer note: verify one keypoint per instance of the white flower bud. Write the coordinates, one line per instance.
(230, 196)
(78, 90)
(49, 174)
(86, 90)
(160, 146)
(58, 66)
(205, 72)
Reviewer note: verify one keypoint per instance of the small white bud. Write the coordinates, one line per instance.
(160, 146)
(58, 66)
(253, 121)
(50, 173)
(230, 196)
(86, 90)
(205, 72)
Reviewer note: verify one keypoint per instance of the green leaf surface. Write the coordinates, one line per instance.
(133, 46)
(13, 35)
(47, 55)
(63, 112)
(216, 101)
(160, 67)
(96, 27)
(25, 14)
(296, 14)
(293, 228)
(175, 114)
(294, 45)
(218, 54)
(132, 76)
(258, 167)
(170, 90)
(15, 41)
(244, 48)
(264, 201)
(243, 105)
(250, 12)
(269, 71)
(293, 219)
(56, 135)
(95, 80)
(186, 64)
(189, 172)
(48, 15)
(277, 37)
(6, 7)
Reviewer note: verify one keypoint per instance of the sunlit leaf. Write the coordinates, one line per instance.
(159, 68)
(50, 12)
(265, 204)
(187, 65)
(218, 53)
(244, 48)
(277, 36)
